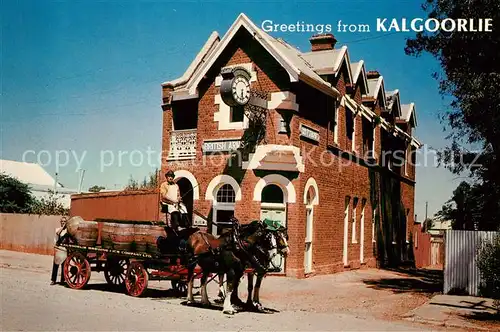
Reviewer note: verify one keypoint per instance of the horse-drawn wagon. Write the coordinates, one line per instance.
(132, 253)
(126, 251)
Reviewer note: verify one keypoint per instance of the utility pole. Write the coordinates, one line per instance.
(426, 206)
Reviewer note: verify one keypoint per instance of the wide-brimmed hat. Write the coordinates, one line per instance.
(170, 173)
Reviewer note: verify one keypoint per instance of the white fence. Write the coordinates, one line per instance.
(460, 269)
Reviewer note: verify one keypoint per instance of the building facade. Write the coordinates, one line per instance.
(322, 147)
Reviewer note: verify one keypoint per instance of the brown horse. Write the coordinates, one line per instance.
(227, 254)
(279, 246)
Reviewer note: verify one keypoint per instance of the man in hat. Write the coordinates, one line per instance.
(170, 198)
(60, 253)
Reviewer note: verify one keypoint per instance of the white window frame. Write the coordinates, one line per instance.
(353, 143)
(220, 207)
(346, 230)
(355, 202)
(362, 232)
(374, 216)
(336, 127)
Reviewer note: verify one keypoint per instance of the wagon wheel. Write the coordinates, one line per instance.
(115, 272)
(136, 280)
(179, 286)
(76, 270)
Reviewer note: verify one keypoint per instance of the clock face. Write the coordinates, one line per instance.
(241, 90)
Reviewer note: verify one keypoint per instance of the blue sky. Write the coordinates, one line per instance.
(84, 76)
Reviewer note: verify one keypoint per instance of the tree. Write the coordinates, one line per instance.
(96, 189)
(50, 205)
(488, 263)
(15, 196)
(470, 77)
(148, 182)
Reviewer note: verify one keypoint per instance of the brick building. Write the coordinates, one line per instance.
(328, 153)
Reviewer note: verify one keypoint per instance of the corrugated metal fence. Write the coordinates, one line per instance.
(460, 270)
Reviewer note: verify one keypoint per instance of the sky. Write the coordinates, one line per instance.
(81, 80)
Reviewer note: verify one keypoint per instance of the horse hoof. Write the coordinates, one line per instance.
(229, 312)
(258, 306)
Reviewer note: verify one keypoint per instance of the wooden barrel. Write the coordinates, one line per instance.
(141, 234)
(72, 225)
(123, 236)
(108, 228)
(86, 235)
(154, 233)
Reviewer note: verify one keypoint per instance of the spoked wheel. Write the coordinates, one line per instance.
(116, 271)
(136, 280)
(76, 270)
(180, 287)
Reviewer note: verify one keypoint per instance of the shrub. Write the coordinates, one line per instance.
(489, 267)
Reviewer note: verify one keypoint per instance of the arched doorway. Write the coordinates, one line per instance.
(186, 189)
(311, 199)
(273, 206)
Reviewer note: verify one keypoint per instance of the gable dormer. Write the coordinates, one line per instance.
(359, 77)
(376, 90)
(393, 103)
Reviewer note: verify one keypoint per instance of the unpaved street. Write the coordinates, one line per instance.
(30, 303)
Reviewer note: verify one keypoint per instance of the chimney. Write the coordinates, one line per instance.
(372, 74)
(321, 42)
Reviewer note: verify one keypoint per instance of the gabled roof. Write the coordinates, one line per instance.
(287, 56)
(357, 69)
(27, 173)
(329, 62)
(408, 114)
(393, 102)
(375, 88)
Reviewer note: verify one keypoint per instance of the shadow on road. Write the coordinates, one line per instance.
(149, 293)
(417, 281)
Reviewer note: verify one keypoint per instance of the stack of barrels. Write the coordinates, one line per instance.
(124, 235)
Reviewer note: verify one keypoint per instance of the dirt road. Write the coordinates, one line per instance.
(30, 303)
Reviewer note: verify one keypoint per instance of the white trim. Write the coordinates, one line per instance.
(279, 180)
(223, 115)
(278, 97)
(374, 215)
(346, 231)
(353, 143)
(217, 182)
(336, 128)
(248, 66)
(288, 155)
(219, 207)
(311, 182)
(362, 233)
(354, 221)
(244, 21)
(205, 50)
(191, 178)
(340, 61)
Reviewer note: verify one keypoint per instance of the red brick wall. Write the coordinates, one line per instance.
(335, 181)
(421, 243)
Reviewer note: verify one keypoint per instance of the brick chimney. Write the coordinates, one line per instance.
(372, 74)
(321, 42)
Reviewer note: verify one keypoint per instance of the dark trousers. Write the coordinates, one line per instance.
(55, 267)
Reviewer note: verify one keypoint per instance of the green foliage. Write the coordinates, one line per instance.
(15, 196)
(96, 189)
(50, 205)
(470, 78)
(148, 182)
(488, 263)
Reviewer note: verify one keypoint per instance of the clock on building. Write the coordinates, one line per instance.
(235, 86)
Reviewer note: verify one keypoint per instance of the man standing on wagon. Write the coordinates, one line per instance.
(170, 197)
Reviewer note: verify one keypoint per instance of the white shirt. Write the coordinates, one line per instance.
(60, 253)
(170, 192)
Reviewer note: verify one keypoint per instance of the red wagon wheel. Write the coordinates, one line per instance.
(116, 271)
(76, 270)
(136, 280)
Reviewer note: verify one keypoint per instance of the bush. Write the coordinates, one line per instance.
(489, 267)
(49, 205)
(15, 196)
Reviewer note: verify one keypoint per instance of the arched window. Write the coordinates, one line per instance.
(272, 194)
(226, 194)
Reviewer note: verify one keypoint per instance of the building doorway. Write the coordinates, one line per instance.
(186, 192)
(223, 206)
(273, 207)
(308, 250)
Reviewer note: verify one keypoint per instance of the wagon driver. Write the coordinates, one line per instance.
(170, 199)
